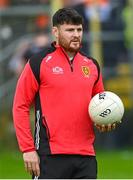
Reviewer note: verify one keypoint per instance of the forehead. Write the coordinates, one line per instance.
(67, 26)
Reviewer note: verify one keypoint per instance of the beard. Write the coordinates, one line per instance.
(69, 46)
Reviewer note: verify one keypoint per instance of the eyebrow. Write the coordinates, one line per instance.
(71, 28)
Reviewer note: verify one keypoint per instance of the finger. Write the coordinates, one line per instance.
(37, 169)
(98, 127)
(34, 168)
(113, 126)
(29, 168)
(26, 166)
(103, 128)
(109, 127)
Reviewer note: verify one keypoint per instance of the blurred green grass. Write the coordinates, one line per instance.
(115, 164)
(12, 166)
(111, 165)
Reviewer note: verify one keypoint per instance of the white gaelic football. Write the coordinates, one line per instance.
(106, 108)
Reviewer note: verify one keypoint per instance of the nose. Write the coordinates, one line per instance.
(76, 33)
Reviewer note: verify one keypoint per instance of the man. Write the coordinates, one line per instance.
(60, 82)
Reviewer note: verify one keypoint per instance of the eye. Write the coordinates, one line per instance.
(79, 29)
(70, 30)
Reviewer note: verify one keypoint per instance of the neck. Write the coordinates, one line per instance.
(70, 54)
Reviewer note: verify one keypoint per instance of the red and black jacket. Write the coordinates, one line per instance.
(61, 91)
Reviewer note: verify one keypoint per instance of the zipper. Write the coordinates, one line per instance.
(46, 126)
(70, 62)
(71, 65)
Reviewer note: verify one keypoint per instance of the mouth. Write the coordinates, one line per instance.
(75, 41)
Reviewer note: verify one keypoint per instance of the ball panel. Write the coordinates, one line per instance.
(119, 104)
(112, 116)
(100, 107)
(99, 98)
(104, 116)
(106, 108)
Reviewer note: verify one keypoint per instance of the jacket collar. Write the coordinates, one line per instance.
(53, 44)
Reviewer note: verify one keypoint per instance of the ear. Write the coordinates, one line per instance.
(55, 32)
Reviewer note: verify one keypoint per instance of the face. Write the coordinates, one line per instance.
(69, 36)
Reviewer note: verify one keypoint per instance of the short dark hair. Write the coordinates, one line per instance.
(68, 16)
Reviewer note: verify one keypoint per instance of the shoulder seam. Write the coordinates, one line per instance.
(36, 60)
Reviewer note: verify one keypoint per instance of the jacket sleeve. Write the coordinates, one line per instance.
(98, 87)
(26, 89)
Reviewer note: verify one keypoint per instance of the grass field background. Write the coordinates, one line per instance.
(111, 165)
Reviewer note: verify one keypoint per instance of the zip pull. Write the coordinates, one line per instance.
(71, 65)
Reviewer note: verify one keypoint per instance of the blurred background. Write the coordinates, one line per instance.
(25, 29)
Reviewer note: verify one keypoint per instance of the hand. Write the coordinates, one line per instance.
(31, 161)
(106, 128)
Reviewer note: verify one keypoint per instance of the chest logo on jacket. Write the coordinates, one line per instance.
(57, 70)
(85, 71)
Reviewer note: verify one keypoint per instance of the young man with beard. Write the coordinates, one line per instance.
(60, 81)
